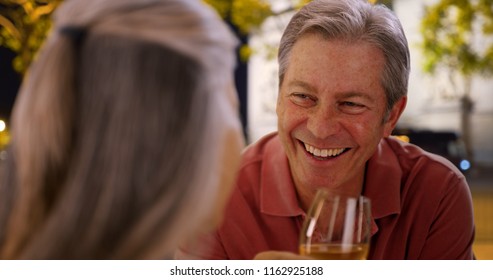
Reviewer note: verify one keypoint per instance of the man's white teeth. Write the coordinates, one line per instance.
(323, 152)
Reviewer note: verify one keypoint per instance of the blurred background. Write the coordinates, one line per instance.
(450, 107)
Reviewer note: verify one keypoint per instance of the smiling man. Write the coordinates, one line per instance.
(332, 113)
(343, 68)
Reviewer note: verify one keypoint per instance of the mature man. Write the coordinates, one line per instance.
(344, 68)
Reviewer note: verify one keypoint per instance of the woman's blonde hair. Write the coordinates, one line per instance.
(117, 132)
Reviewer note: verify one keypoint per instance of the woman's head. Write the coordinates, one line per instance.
(122, 130)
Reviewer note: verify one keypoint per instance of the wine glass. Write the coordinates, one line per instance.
(337, 227)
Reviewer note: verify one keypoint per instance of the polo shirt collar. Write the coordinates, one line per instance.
(383, 180)
(277, 191)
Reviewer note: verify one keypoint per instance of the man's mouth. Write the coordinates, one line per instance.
(324, 153)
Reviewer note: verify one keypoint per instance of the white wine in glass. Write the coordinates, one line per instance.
(337, 227)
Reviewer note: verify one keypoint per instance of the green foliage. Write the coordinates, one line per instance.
(388, 3)
(25, 23)
(4, 139)
(249, 14)
(456, 34)
(246, 15)
(23, 28)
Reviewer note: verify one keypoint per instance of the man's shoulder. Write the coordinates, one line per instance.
(256, 151)
(410, 155)
(260, 167)
(420, 167)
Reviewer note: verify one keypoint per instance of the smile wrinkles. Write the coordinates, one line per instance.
(323, 152)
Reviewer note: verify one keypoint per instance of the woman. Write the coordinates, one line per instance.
(125, 133)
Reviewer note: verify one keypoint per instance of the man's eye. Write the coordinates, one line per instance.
(351, 104)
(352, 108)
(302, 99)
(301, 96)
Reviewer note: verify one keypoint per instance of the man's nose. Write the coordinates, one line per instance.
(324, 122)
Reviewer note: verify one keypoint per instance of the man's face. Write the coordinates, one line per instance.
(331, 109)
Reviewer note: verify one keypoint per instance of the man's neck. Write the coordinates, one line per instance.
(306, 194)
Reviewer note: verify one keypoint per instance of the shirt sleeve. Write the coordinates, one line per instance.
(451, 234)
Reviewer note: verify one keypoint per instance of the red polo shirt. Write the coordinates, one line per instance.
(421, 206)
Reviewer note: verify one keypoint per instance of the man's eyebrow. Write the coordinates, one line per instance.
(301, 84)
(350, 94)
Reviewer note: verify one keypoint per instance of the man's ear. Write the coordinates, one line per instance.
(394, 116)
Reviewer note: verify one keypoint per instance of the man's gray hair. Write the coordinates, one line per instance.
(358, 21)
